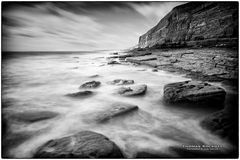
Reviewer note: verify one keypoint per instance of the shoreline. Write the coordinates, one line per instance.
(225, 78)
(160, 59)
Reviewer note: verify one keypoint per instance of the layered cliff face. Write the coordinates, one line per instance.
(195, 24)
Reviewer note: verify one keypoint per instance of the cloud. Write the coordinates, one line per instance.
(155, 11)
(57, 26)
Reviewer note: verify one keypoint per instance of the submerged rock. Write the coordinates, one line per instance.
(94, 76)
(32, 116)
(91, 84)
(115, 110)
(122, 82)
(80, 94)
(85, 144)
(193, 91)
(133, 90)
(113, 62)
(222, 123)
(155, 70)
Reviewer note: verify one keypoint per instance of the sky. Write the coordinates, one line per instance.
(78, 26)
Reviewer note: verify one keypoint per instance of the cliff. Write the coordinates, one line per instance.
(195, 24)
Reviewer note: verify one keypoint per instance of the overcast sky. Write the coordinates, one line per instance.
(76, 26)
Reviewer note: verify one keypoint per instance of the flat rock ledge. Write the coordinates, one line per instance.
(80, 94)
(121, 82)
(133, 90)
(116, 109)
(91, 84)
(193, 91)
(85, 144)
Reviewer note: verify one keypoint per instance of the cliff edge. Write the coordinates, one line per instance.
(195, 24)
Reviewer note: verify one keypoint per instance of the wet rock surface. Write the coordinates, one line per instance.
(91, 84)
(85, 144)
(33, 116)
(133, 90)
(133, 54)
(121, 82)
(94, 76)
(141, 58)
(155, 70)
(193, 91)
(80, 94)
(115, 110)
(211, 64)
(113, 62)
(222, 123)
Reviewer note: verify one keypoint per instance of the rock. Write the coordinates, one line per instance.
(94, 76)
(115, 110)
(115, 53)
(80, 94)
(141, 58)
(123, 56)
(122, 82)
(193, 91)
(133, 90)
(155, 70)
(33, 116)
(91, 84)
(113, 62)
(85, 144)
(222, 123)
(195, 24)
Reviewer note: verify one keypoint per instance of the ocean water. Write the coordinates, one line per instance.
(39, 82)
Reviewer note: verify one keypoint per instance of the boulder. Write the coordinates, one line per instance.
(193, 91)
(91, 84)
(115, 110)
(80, 94)
(122, 82)
(33, 116)
(85, 144)
(133, 90)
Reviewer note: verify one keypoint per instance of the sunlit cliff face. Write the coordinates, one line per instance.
(73, 26)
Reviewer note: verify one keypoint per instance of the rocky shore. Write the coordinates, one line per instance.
(210, 64)
(203, 65)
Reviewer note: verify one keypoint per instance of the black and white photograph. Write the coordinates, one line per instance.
(119, 79)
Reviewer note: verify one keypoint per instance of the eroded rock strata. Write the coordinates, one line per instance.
(195, 24)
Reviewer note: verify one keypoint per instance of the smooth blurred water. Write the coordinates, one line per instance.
(39, 82)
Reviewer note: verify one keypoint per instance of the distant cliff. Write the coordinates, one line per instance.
(195, 24)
